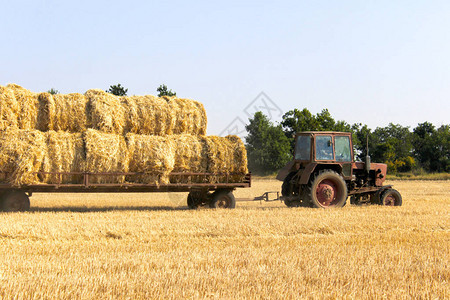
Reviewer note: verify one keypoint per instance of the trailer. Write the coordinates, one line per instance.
(204, 189)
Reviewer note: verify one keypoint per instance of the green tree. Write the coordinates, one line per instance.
(393, 145)
(53, 91)
(117, 90)
(298, 120)
(442, 141)
(164, 91)
(359, 138)
(302, 120)
(325, 121)
(432, 147)
(268, 148)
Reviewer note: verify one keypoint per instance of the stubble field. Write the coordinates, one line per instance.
(140, 246)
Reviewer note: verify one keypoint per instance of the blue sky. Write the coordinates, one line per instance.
(373, 62)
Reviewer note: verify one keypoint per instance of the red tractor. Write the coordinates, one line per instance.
(323, 174)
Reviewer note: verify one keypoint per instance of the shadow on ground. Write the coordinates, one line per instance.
(83, 209)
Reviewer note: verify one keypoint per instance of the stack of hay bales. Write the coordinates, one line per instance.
(101, 133)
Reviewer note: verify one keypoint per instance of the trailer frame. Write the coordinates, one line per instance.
(204, 186)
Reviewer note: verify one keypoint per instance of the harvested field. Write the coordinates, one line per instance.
(144, 246)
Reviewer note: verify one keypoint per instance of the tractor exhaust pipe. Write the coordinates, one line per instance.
(367, 161)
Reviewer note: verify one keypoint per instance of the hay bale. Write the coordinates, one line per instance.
(70, 112)
(9, 108)
(226, 155)
(105, 112)
(28, 107)
(46, 112)
(190, 116)
(163, 116)
(190, 157)
(152, 155)
(105, 153)
(102, 111)
(33, 110)
(21, 154)
(148, 115)
(190, 154)
(65, 153)
(218, 153)
(240, 164)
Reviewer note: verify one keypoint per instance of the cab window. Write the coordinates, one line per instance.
(324, 147)
(303, 148)
(342, 148)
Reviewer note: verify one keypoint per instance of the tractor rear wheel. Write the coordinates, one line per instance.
(391, 197)
(327, 189)
(15, 201)
(288, 191)
(222, 199)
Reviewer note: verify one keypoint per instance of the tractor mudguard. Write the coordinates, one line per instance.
(286, 170)
(304, 179)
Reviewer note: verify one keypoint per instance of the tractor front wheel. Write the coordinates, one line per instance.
(327, 189)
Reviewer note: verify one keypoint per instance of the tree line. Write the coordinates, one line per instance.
(425, 148)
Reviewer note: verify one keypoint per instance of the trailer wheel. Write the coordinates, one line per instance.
(193, 201)
(15, 201)
(222, 199)
(391, 197)
(327, 189)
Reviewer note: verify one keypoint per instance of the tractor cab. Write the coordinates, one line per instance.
(323, 147)
(317, 149)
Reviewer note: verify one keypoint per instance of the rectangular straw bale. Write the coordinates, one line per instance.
(21, 154)
(148, 115)
(9, 108)
(226, 155)
(106, 152)
(35, 110)
(46, 112)
(28, 107)
(190, 156)
(70, 112)
(218, 153)
(190, 116)
(65, 153)
(152, 155)
(105, 112)
(240, 164)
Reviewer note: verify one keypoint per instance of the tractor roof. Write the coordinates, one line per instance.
(324, 132)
